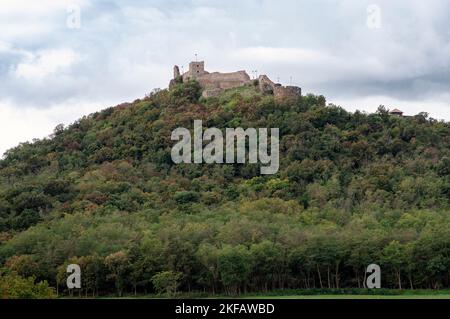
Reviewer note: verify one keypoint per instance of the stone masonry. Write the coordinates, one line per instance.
(214, 83)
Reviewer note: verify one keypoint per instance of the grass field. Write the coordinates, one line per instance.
(313, 294)
(297, 297)
(432, 296)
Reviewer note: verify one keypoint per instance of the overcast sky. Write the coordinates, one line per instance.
(54, 67)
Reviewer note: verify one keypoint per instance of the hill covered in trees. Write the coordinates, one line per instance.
(352, 189)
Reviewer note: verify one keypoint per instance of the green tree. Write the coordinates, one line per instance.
(394, 255)
(167, 282)
(118, 266)
(234, 268)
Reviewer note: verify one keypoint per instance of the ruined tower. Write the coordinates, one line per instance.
(196, 69)
(176, 72)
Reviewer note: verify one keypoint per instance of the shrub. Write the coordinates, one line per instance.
(13, 286)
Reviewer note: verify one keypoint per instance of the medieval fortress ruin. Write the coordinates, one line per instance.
(214, 83)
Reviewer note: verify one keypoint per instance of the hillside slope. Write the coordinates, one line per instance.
(352, 189)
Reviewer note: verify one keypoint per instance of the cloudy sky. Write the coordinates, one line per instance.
(60, 59)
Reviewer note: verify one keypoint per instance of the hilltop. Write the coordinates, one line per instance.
(352, 189)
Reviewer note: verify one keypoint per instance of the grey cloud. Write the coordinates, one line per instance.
(127, 49)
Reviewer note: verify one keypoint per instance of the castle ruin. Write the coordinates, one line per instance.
(216, 82)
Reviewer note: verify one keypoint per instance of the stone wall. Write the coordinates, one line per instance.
(214, 83)
(280, 92)
(265, 84)
(223, 80)
(287, 92)
(211, 92)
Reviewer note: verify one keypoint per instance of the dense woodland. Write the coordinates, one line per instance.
(352, 189)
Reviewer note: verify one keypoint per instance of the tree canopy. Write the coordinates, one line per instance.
(352, 189)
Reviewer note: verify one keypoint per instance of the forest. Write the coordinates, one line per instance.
(352, 189)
